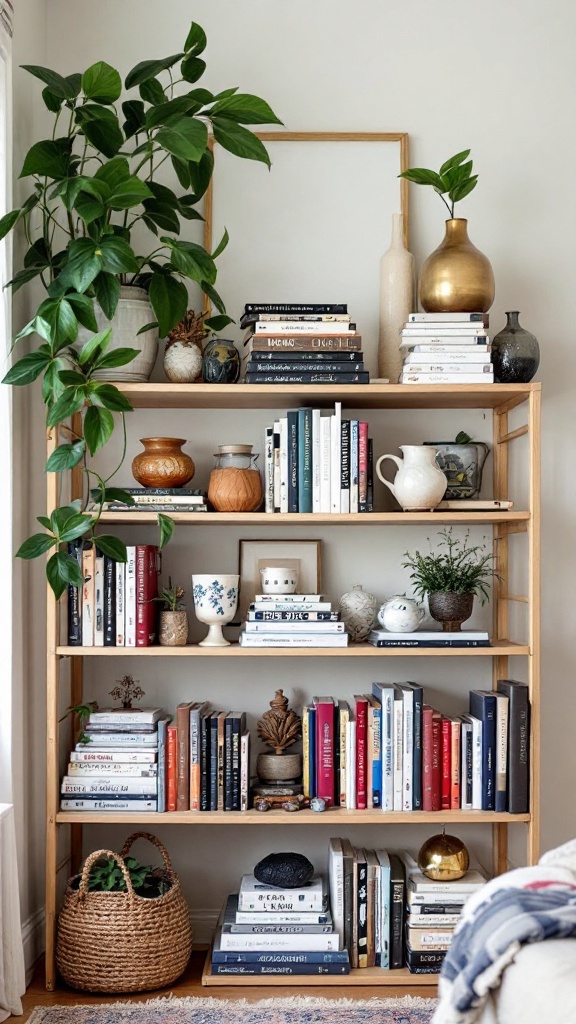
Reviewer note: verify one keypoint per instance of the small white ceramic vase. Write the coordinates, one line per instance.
(396, 301)
(215, 602)
(358, 612)
(420, 483)
(401, 614)
(182, 362)
(279, 579)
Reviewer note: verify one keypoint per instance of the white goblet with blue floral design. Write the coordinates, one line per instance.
(215, 602)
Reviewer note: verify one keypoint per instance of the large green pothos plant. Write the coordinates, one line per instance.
(98, 217)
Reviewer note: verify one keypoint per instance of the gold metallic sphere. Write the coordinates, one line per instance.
(443, 858)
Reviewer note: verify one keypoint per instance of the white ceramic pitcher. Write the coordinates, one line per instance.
(419, 483)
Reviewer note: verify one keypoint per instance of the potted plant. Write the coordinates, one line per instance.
(451, 576)
(456, 277)
(173, 630)
(123, 926)
(99, 219)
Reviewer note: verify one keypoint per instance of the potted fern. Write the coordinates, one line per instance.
(99, 219)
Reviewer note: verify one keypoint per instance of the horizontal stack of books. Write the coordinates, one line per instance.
(433, 909)
(119, 764)
(115, 607)
(292, 620)
(294, 343)
(267, 930)
(316, 463)
(159, 499)
(429, 638)
(207, 759)
(446, 348)
(391, 749)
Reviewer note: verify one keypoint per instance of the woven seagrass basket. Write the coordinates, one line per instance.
(119, 941)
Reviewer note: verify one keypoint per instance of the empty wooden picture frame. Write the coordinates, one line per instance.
(313, 228)
(303, 555)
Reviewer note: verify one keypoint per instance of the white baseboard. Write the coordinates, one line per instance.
(203, 924)
(33, 941)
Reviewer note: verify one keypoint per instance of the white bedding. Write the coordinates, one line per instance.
(538, 987)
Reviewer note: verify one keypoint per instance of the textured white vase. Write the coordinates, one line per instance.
(358, 611)
(132, 313)
(396, 300)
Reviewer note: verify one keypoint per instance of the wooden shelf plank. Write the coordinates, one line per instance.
(336, 816)
(320, 519)
(499, 647)
(359, 396)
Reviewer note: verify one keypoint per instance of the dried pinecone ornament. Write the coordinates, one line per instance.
(279, 727)
(183, 352)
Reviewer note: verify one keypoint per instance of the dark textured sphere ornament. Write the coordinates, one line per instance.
(284, 870)
(443, 858)
(220, 362)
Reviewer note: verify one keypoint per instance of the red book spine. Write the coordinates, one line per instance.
(171, 756)
(325, 768)
(436, 761)
(362, 465)
(455, 764)
(446, 764)
(146, 591)
(427, 758)
(361, 753)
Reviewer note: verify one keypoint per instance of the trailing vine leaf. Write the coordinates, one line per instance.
(166, 526)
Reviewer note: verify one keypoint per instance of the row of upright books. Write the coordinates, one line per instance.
(318, 463)
(391, 749)
(446, 348)
(292, 343)
(115, 606)
(292, 620)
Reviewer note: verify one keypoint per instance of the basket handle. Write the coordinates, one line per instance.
(83, 887)
(155, 842)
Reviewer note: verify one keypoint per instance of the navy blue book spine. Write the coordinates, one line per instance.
(254, 956)
(273, 969)
(292, 415)
(483, 706)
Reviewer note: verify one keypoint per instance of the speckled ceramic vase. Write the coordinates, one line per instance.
(358, 612)
(515, 353)
(451, 610)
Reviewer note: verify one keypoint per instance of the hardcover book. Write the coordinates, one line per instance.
(255, 896)
(147, 570)
(518, 744)
(483, 707)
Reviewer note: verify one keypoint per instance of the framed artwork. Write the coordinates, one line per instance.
(303, 555)
(313, 228)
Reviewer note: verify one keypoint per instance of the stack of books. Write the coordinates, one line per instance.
(292, 620)
(115, 607)
(120, 763)
(159, 499)
(429, 638)
(294, 343)
(433, 909)
(319, 464)
(446, 348)
(266, 930)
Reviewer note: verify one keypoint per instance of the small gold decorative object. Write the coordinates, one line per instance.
(279, 727)
(443, 858)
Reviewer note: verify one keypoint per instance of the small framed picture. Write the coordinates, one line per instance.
(302, 555)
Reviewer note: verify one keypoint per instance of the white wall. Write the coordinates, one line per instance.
(499, 78)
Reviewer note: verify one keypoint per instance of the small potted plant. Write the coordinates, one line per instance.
(173, 631)
(451, 577)
(456, 277)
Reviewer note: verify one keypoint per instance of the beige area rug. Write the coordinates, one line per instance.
(299, 1010)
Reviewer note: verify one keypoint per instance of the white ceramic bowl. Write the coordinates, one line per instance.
(278, 579)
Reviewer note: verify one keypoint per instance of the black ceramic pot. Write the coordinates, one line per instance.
(451, 610)
(220, 362)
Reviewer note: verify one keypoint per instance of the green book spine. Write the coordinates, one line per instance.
(305, 460)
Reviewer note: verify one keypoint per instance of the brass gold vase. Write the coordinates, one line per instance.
(456, 277)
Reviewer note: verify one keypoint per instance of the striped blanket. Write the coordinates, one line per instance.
(525, 905)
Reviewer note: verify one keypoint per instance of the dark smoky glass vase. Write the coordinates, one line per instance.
(515, 353)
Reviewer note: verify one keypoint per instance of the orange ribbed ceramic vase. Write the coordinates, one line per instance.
(162, 463)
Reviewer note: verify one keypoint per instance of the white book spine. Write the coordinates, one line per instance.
(445, 378)
(269, 470)
(279, 941)
(325, 462)
(244, 769)
(117, 756)
(296, 640)
(316, 463)
(336, 878)
(422, 356)
(476, 764)
(102, 769)
(99, 601)
(453, 350)
(130, 597)
(351, 766)
(440, 367)
(384, 908)
(73, 804)
(407, 750)
(335, 456)
(283, 464)
(353, 465)
(306, 327)
(465, 745)
(387, 749)
(398, 718)
(278, 626)
(127, 786)
(120, 609)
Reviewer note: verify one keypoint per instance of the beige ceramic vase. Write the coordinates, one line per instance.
(162, 463)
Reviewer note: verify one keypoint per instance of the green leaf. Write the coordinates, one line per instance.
(117, 256)
(112, 546)
(221, 245)
(169, 300)
(101, 83)
(38, 255)
(181, 168)
(111, 494)
(107, 396)
(98, 428)
(71, 378)
(27, 369)
(89, 208)
(113, 172)
(118, 357)
(151, 91)
(129, 193)
(36, 326)
(107, 289)
(135, 122)
(62, 569)
(52, 386)
(187, 138)
(170, 111)
(74, 81)
(238, 140)
(246, 109)
(69, 402)
(147, 69)
(23, 277)
(101, 127)
(200, 175)
(463, 190)
(96, 345)
(166, 527)
(49, 159)
(195, 40)
(192, 68)
(66, 456)
(213, 295)
(147, 327)
(58, 313)
(7, 222)
(44, 521)
(56, 83)
(51, 100)
(83, 307)
(218, 323)
(36, 545)
(191, 259)
(453, 161)
(421, 176)
(162, 214)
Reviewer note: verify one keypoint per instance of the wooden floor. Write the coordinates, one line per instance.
(190, 985)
